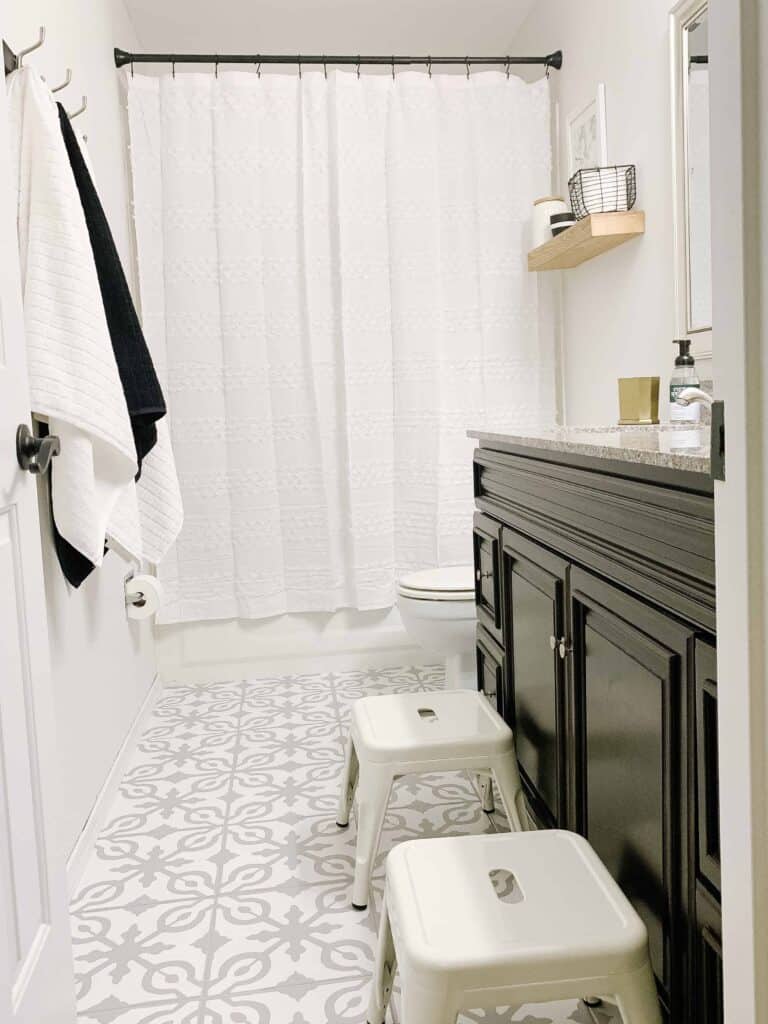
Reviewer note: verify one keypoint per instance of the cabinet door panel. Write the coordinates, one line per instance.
(708, 961)
(707, 786)
(630, 665)
(533, 583)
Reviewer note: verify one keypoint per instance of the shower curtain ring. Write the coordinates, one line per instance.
(131, 69)
(507, 68)
(429, 66)
(358, 66)
(299, 63)
(173, 68)
(325, 69)
(393, 67)
(258, 70)
(466, 61)
(216, 67)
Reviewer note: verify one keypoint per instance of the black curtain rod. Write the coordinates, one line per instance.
(123, 57)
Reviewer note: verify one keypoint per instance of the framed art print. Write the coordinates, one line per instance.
(587, 135)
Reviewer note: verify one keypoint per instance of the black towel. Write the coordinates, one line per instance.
(141, 387)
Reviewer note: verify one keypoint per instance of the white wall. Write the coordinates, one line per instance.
(618, 310)
(102, 666)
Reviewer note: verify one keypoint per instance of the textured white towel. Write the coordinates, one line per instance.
(149, 515)
(73, 374)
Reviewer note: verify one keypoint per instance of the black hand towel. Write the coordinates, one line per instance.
(141, 387)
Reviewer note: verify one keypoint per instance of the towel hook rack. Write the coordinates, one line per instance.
(31, 49)
(80, 110)
(65, 83)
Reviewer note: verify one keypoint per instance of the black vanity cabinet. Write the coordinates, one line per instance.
(596, 638)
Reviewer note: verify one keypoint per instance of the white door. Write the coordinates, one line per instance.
(36, 973)
(738, 36)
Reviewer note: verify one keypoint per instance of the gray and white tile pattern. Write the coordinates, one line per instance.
(219, 889)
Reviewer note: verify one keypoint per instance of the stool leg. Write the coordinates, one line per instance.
(348, 783)
(427, 1006)
(637, 998)
(507, 777)
(372, 796)
(485, 785)
(384, 970)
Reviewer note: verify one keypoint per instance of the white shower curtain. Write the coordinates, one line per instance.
(333, 275)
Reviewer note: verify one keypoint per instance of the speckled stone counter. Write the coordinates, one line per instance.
(673, 447)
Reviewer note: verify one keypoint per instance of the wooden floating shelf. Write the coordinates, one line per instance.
(586, 239)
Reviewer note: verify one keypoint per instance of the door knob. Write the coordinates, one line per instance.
(35, 453)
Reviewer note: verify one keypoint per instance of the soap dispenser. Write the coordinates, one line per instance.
(683, 376)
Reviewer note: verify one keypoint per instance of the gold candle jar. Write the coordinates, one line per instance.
(638, 400)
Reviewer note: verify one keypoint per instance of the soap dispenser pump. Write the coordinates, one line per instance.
(683, 376)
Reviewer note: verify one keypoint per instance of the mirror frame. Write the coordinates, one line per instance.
(681, 16)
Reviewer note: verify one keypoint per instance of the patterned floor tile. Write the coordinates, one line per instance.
(304, 1002)
(218, 891)
(141, 953)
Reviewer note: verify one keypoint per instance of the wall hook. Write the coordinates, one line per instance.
(80, 110)
(65, 83)
(30, 49)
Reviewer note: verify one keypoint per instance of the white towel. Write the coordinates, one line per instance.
(74, 380)
(149, 514)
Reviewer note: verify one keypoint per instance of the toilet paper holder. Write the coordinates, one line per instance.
(143, 595)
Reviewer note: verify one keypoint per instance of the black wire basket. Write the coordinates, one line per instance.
(603, 190)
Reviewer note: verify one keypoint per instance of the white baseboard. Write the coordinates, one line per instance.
(78, 858)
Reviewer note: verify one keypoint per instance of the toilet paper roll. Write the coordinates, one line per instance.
(143, 596)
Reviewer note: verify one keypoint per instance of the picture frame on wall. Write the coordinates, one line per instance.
(587, 135)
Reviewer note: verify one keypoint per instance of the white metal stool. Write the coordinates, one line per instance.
(404, 733)
(481, 921)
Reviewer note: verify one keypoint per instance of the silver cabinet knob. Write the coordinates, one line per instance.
(562, 647)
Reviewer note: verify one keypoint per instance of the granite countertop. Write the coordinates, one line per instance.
(677, 446)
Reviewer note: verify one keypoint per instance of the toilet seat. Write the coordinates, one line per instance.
(449, 583)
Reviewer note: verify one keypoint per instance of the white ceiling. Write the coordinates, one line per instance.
(450, 27)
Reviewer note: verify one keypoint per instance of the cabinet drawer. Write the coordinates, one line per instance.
(487, 575)
(707, 781)
(490, 670)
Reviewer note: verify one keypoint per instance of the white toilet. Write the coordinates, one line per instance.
(437, 607)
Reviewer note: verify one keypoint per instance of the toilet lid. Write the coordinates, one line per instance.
(449, 583)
